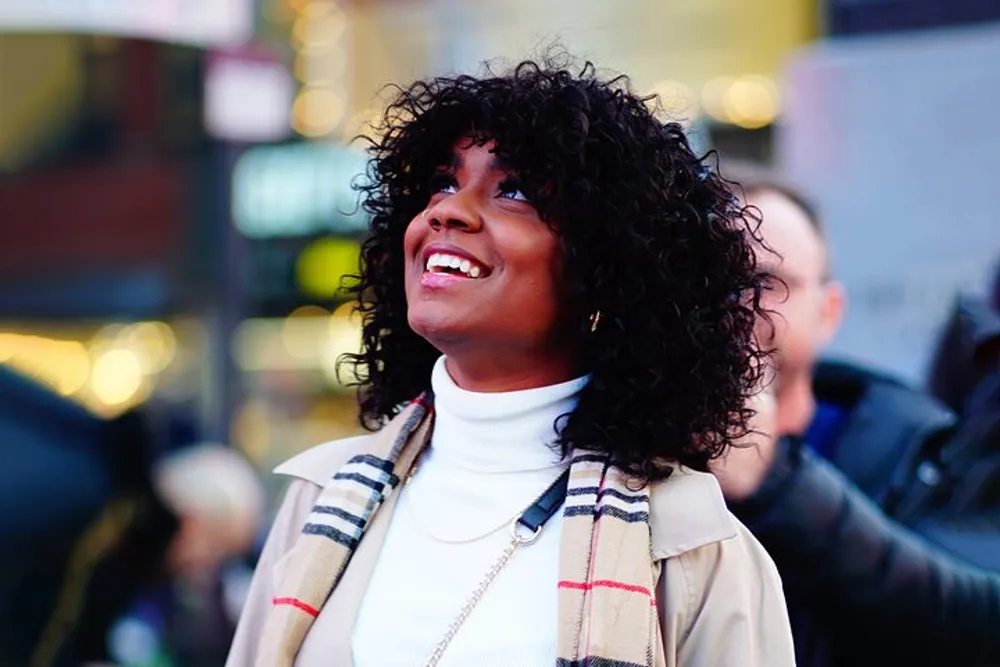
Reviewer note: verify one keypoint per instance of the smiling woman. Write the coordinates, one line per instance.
(559, 301)
(504, 318)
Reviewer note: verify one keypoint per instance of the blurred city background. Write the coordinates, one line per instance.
(176, 210)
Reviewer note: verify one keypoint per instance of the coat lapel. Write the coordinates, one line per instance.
(345, 509)
(329, 641)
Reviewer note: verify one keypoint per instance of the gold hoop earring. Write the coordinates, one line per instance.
(595, 319)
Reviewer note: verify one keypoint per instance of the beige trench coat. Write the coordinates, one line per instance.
(720, 598)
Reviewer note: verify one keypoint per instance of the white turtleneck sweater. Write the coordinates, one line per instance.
(489, 459)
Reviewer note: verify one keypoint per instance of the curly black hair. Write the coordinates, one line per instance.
(652, 238)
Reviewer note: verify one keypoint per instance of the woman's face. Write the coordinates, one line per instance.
(482, 268)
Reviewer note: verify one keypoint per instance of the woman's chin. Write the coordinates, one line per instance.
(439, 325)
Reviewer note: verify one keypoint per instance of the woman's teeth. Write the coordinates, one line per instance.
(441, 262)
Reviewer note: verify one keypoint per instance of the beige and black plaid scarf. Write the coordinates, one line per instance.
(607, 577)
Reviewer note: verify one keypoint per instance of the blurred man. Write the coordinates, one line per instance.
(218, 499)
(825, 496)
(90, 523)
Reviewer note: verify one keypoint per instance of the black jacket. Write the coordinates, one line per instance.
(862, 588)
(81, 530)
(892, 430)
(967, 350)
(965, 374)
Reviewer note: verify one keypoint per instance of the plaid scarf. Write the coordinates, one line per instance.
(607, 577)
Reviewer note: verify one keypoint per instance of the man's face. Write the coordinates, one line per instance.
(808, 306)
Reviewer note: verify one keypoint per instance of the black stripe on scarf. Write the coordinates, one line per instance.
(373, 484)
(352, 519)
(338, 536)
(584, 490)
(374, 461)
(608, 510)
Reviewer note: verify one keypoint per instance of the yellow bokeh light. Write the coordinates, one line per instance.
(74, 368)
(319, 71)
(153, 342)
(317, 112)
(251, 430)
(302, 67)
(62, 365)
(8, 345)
(107, 338)
(713, 96)
(321, 266)
(343, 337)
(318, 28)
(301, 331)
(116, 377)
(318, 8)
(751, 102)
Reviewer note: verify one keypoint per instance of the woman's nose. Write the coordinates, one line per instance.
(457, 211)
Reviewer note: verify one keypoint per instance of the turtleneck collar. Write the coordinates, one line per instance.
(499, 432)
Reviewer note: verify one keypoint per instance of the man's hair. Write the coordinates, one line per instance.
(209, 480)
(751, 179)
(651, 236)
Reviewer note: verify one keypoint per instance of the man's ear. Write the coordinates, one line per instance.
(834, 304)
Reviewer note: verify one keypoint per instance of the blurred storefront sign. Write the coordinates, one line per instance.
(854, 17)
(285, 273)
(199, 22)
(59, 221)
(248, 96)
(101, 225)
(298, 209)
(296, 190)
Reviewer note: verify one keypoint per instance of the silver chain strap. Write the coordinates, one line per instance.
(517, 541)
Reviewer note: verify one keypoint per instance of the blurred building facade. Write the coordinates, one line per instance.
(178, 218)
(99, 143)
(890, 125)
(175, 189)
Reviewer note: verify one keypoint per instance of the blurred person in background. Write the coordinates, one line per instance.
(967, 352)
(827, 496)
(94, 528)
(545, 499)
(963, 489)
(994, 289)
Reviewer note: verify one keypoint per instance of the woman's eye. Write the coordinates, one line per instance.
(512, 191)
(443, 184)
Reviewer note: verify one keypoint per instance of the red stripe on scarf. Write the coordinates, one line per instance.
(607, 583)
(298, 604)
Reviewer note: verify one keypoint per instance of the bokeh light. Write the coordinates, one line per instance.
(343, 337)
(317, 111)
(300, 332)
(117, 376)
(751, 102)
